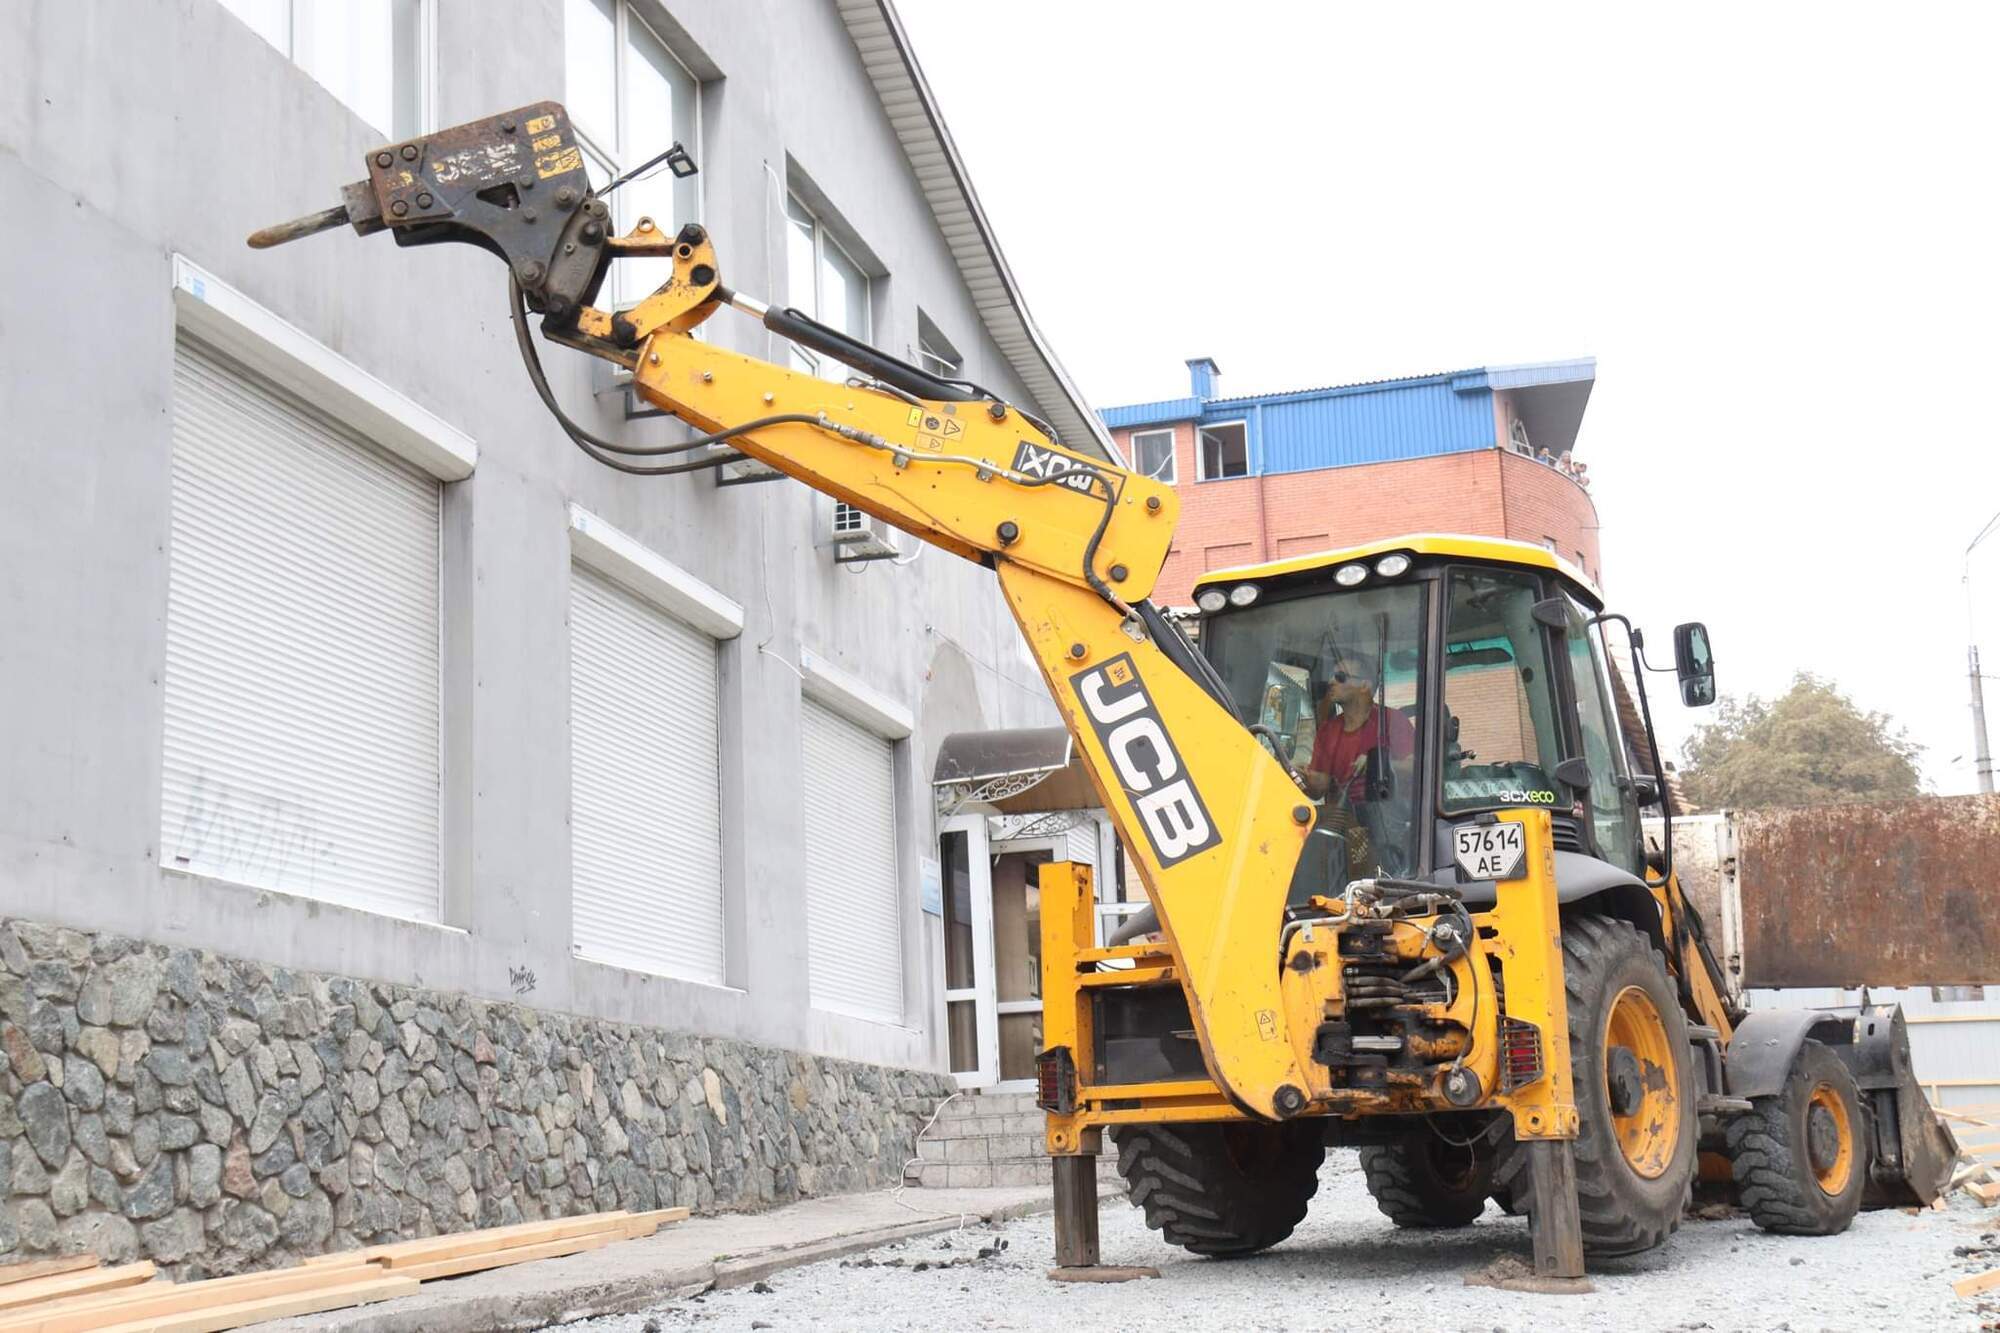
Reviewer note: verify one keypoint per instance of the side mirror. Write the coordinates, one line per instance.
(1573, 773)
(1645, 791)
(1694, 664)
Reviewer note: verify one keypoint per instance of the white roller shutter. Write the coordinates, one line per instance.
(645, 810)
(1080, 842)
(854, 929)
(301, 741)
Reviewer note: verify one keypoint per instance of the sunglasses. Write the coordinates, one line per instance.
(1342, 677)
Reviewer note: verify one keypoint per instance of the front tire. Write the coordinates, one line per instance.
(1634, 1087)
(1222, 1190)
(1800, 1158)
(1424, 1181)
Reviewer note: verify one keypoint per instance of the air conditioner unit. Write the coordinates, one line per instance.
(856, 536)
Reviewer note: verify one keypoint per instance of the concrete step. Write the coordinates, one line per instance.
(975, 1104)
(986, 1139)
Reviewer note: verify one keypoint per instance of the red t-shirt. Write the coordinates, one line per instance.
(1335, 749)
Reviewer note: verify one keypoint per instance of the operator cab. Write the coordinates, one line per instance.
(1425, 681)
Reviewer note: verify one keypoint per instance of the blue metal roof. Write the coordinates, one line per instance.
(1145, 414)
(1300, 430)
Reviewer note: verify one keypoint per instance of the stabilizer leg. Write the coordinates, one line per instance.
(1557, 1221)
(1076, 1212)
(1076, 1226)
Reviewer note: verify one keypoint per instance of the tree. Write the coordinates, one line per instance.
(1809, 746)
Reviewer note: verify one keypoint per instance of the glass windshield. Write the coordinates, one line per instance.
(1501, 742)
(1335, 677)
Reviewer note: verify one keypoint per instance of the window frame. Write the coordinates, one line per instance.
(1172, 477)
(1201, 453)
(1555, 689)
(1584, 626)
(946, 364)
(617, 159)
(424, 104)
(816, 362)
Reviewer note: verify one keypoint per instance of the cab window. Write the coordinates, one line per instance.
(1501, 741)
(1614, 811)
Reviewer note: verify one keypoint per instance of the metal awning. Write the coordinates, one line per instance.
(1014, 772)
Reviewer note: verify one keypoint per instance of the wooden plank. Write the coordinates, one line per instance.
(1972, 1286)
(81, 1313)
(23, 1269)
(640, 1225)
(73, 1284)
(521, 1233)
(1986, 1191)
(519, 1254)
(483, 1242)
(312, 1301)
(1972, 1115)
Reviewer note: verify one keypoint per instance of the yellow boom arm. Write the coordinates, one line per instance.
(1213, 822)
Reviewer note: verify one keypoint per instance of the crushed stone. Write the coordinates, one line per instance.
(1347, 1268)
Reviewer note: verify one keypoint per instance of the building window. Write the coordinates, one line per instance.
(645, 809)
(1225, 451)
(301, 744)
(1153, 455)
(823, 280)
(374, 55)
(630, 98)
(934, 351)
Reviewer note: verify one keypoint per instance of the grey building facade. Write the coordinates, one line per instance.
(406, 823)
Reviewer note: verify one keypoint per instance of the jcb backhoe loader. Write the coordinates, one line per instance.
(1384, 813)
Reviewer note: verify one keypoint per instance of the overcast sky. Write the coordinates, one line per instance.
(1773, 226)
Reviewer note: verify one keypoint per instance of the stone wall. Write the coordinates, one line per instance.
(217, 1115)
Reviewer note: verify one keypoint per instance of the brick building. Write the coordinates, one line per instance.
(1263, 476)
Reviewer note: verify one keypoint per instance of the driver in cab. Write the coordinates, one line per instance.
(1351, 727)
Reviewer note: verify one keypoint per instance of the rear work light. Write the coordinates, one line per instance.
(1211, 599)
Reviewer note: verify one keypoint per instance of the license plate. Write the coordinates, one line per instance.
(1490, 851)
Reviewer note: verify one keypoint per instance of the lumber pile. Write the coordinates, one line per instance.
(73, 1295)
(1977, 1129)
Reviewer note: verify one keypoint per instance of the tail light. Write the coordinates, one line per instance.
(1055, 1081)
(1520, 1053)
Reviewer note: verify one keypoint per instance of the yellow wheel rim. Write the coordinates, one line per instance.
(1832, 1163)
(1642, 1086)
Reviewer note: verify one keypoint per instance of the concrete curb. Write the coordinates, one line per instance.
(568, 1291)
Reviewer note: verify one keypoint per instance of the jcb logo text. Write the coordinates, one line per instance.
(1143, 756)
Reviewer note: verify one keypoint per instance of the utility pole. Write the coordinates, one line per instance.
(1982, 758)
(1982, 761)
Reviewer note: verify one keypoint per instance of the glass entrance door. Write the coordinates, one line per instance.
(993, 944)
(971, 1020)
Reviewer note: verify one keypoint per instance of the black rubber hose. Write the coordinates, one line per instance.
(599, 448)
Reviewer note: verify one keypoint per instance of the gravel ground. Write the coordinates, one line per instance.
(1347, 1268)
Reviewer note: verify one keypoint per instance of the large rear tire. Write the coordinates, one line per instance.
(1222, 1190)
(1634, 1086)
(1424, 1181)
(1800, 1158)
